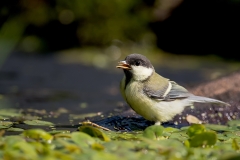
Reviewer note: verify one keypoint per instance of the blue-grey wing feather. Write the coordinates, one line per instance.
(157, 88)
(176, 92)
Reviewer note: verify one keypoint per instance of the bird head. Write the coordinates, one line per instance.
(137, 66)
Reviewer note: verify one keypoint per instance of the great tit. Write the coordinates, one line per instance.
(152, 96)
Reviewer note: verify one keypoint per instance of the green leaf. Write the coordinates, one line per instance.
(97, 146)
(94, 132)
(222, 137)
(123, 136)
(232, 134)
(153, 132)
(10, 113)
(235, 145)
(229, 156)
(184, 128)
(68, 146)
(170, 129)
(38, 134)
(11, 140)
(26, 148)
(15, 129)
(217, 127)
(82, 139)
(203, 139)
(115, 146)
(5, 124)
(195, 129)
(3, 118)
(58, 132)
(178, 136)
(38, 123)
(234, 123)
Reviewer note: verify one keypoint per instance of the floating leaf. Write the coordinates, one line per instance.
(235, 145)
(178, 136)
(217, 127)
(69, 147)
(38, 134)
(10, 113)
(26, 148)
(123, 136)
(222, 137)
(167, 132)
(5, 124)
(170, 129)
(203, 139)
(234, 123)
(97, 146)
(195, 129)
(3, 118)
(62, 135)
(94, 132)
(15, 129)
(187, 143)
(184, 128)
(58, 131)
(82, 139)
(98, 155)
(114, 146)
(232, 135)
(153, 132)
(38, 123)
(229, 156)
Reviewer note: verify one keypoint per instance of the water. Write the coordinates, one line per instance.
(40, 83)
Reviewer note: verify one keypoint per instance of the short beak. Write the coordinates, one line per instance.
(123, 65)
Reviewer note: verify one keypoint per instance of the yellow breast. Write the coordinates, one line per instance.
(153, 110)
(138, 101)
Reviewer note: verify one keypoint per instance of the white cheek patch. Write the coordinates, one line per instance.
(141, 73)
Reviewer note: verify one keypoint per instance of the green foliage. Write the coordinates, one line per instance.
(155, 142)
(38, 134)
(195, 129)
(198, 141)
(89, 23)
(94, 132)
(199, 137)
(103, 21)
(153, 132)
(38, 123)
(5, 124)
(203, 139)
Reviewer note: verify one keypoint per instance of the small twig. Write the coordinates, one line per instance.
(94, 125)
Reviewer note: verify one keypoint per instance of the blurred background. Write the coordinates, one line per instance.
(60, 55)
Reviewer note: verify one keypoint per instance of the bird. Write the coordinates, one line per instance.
(152, 96)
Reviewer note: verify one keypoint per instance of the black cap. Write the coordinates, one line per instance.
(138, 60)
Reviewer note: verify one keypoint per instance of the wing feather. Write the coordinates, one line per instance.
(162, 89)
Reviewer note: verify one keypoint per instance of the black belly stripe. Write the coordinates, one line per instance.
(128, 76)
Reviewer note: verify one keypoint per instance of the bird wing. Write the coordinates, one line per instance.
(177, 92)
(160, 88)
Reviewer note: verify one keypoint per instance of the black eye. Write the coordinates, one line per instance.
(137, 63)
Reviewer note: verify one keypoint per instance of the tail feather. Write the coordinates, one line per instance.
(200, 99)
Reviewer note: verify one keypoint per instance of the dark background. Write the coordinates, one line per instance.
(180, 26)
